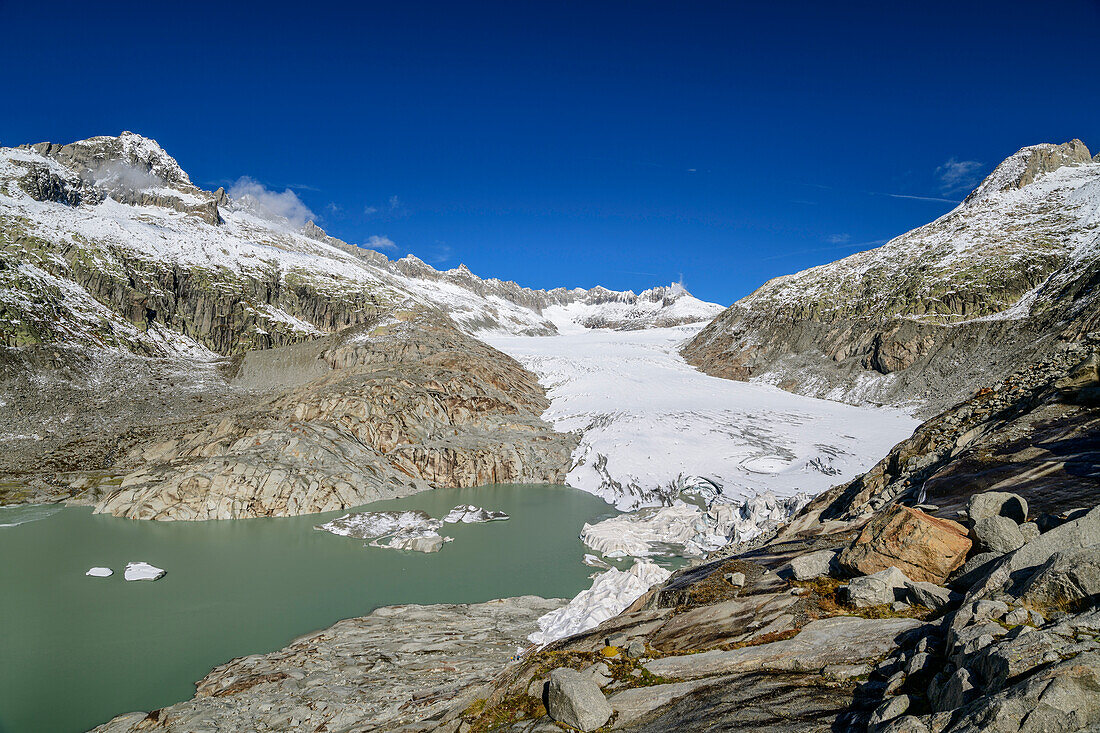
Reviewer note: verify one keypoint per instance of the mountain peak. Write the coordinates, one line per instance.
(1028, 164)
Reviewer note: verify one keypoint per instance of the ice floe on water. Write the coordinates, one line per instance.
(414, 540)
(98, 572)
(470, 514)
(371, 525)
(412, 530)
(610, 594)
(142, 571)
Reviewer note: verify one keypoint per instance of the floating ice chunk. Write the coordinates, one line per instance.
(469, 514)
(100, 572)
(594, 562)
(416, 540)
(610, 594)
(142, 571)
(371, 525)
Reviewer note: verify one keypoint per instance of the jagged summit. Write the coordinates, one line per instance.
(1028, 164)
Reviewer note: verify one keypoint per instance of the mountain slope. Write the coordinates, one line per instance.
(107, 242)
(938, 311)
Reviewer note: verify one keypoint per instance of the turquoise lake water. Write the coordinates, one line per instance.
(76, 651)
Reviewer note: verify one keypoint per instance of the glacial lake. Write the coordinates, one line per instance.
(75, 651)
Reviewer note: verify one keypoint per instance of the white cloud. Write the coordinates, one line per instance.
(271, 204)
(117, 173)
(842, 238)
(368, 210)
(377, 242)
(957, 176)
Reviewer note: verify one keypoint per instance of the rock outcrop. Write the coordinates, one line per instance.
(396, 666)
(939, 311)
(390, 409)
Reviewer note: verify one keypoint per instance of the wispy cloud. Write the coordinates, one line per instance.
(914, 197)
(392, 208)
(333, 208)
(271, 204)
(368, 210)
(958, 176)
(380, 242)
(854, 245)
(842, 238)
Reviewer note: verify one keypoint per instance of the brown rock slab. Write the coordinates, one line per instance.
(924, 547)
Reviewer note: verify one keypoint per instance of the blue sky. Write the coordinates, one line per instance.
(575, 143)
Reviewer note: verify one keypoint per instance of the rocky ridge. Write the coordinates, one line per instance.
(936, 312)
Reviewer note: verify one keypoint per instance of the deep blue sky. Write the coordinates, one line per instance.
(563, 143)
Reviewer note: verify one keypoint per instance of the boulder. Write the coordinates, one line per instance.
(997, 534)
(1067, 580)
(813, 565)
(904, 724)
(575, 699)
(635, 649)
(997, 504)
(930, 595)
(1012, 656)
(885, 586)
(892, 708)
(924, 547)
(1076, 534)
(952, 693)
(1063, 697)
(1030, 531)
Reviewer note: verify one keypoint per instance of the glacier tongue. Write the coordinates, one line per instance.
(655, 429)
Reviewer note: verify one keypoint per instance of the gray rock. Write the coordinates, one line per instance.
(813, 565)
(1011, 657)
(899, 606)
(836, 640)
(1074, 535)
(617, 639)
(1066, 580)
(918, 663)
(1017, 616)
(985, 609)
(1064, 697)
(1030, 530)
(892, 708)
(997, 503)
(997, 534)
(930, 595)
(953, 693)
(635, 649)
(737, 580)
(885, 586)
(575, 699)
(599, 673)
(904, 724)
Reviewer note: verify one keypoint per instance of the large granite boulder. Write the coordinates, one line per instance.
(997, 534)
(575, 699)
(924, 547)
(1068, 580)
(997, 504)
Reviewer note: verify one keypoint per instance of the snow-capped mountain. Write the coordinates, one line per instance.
(934, 313)
(107, 242)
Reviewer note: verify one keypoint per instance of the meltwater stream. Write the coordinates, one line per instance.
(76, 651)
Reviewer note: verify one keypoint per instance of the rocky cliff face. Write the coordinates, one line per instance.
(936, 312)
(399, 405)
(171, 353)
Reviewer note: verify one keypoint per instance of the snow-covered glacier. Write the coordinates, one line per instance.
(655, 431)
